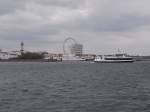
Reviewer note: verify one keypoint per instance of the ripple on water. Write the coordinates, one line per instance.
(74, 87)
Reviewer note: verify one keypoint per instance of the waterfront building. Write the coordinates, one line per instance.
(14, 54)
(77, 49)
(88, 57)
(4, 55)
(9, 55)
(52, 56)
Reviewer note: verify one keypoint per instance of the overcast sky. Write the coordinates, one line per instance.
(102, 26)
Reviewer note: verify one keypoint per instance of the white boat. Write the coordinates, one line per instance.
(117, 58)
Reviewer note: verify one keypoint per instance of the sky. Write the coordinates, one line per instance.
(102, 26)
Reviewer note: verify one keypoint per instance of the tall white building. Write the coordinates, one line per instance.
(77, 49)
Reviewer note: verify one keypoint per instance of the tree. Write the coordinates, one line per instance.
(31, 55)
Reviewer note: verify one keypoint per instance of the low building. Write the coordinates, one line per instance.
(14, 54)
(52, 56)
(9, 55)
(88, 57)
(4, 56)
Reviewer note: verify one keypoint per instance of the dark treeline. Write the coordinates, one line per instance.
(31, 55)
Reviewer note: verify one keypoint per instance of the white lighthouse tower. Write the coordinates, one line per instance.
(22, 47)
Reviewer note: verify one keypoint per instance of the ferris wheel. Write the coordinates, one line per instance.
(67, 45)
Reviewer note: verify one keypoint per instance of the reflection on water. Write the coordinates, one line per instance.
(74, 87)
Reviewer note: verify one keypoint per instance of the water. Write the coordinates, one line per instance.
(74, 87)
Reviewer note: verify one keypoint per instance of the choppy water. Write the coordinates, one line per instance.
(74, 87)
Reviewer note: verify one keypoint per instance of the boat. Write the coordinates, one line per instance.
(117, 58)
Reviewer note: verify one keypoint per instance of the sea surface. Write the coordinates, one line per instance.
(74, 87)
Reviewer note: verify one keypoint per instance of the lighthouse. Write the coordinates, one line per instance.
(22, 47)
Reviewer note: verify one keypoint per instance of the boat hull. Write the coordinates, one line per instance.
(114, 61)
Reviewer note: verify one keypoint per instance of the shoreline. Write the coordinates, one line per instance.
(29, 60)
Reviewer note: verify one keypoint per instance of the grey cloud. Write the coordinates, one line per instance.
(61, 3)
(95, 23)
(121, 23)
(9, 6)
(113, 15)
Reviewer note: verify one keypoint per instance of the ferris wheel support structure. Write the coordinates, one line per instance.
(67, 41)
